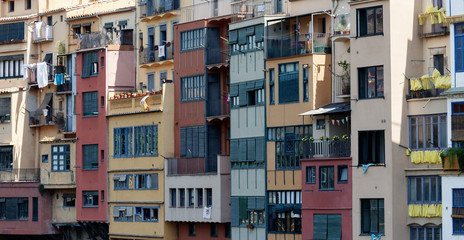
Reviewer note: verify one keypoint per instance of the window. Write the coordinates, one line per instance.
(50, 21)
(12, 33)
(87, 28)
(90, 198)
(227, 230)
(173, 193)
(250, 93)
(271, 86)
(428, 132)
(310, 175)
(192, 232)
(90, 153)
(69, 200)
(371, 147)
(14, 208)
(44, 158)
(320, 124)
(35, 209)
(5, 108)
(163, 78)
(122, 181)
(424, 190)
(213, 230)
(306, 82)
(248, 210)
(191, 197)
(192, 39)
(428, 232)
(199, 197)
(61, 158)
(458, 209)
(326, 178)
(146, 214)
(28, 4)
(284, 211)
(327, 226)
(181, 197)
(209, 197)
(6, 157)
(192, 88)
(459, 46)
(76, 30)
(256, 97)
(146, 181)
(151, 82)
(90, 64)
(122, 142)
(248, 39)
(289, 144)
(146, 140)
(11, 66)
(370, 21)
(11, 6)
(90, 103)
(192, 142)
(288, 83)
(370, 82)
(122, 214)
(342, 175)
(457, 121)
(372, 216)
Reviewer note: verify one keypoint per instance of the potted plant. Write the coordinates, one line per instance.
(250, 226)
(453, 159)
(336, 138)
(345, 137)
(321, 138)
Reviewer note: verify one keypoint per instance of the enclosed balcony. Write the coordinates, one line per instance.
(151, 7)
(42, 34)
(327, 148)
(48, 117)
(20, 175)
(244, 10)
(428, 86)
(342, 85)
(156, 54)
(290, 37)
(103, 39)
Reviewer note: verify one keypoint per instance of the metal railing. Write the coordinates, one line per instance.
(243, 10)
(104, 38)
(152, 54)
(342, 85)
(427, 93)
(326, 149)
(297, 44)
(20, 175)
(149, 10)
(47, 117)
(46, 34)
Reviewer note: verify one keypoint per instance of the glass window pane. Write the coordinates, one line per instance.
(426, 189)
(428, 132)
(420, 134)
(433, 185)
(412, 189)
(413, 133)
(379, 20)
(379, 81)
(370, 21)
(371, 86)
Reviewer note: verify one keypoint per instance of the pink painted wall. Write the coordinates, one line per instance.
(121, 72)
(316, 201)
(203, 231)
(91, 130)
(28, 227)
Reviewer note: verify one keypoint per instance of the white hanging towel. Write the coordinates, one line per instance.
(161, 51)
(207, 212)
(42, 74)
(26, 69)
(38, 30)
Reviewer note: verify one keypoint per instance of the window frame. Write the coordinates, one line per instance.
(65, 200)
(381, 160)
(311, 170)
(118, 145)
(415, 230)
(6, 157)
(413, 185)
(380, 214)
(329, 184)
(294, 76)
(89, 165)
(126, 182)
(339, 174)
(66, 161)
(459, 64)
(305, 82)
(363, 81)
(5, 113)
(359, 11)
(427, 129)
(94, 203)
(143, 135)
(192, 88)
(93, 98)
(145, 176)
(142, 214)
(11, 6)
(271, 86)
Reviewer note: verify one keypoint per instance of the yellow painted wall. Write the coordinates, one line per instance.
(62, 214)
(50, 179)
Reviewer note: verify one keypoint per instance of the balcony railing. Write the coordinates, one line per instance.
(48, 117)
(327, 149)
(102, 39)
(148, 9)
(297, 44)
(45, 34)
(20, 175)
(429, 87)
(154, 54)
(185, 166)
(342, 85)
(243, 10)
(218, 55)
(342, 24)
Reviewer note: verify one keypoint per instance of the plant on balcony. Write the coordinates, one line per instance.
(336, 138)
(345, 137)
(321, 138)
(453, 159)
(250, 226)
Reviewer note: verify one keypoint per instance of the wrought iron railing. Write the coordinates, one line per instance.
(326, 149)
(46, 117)
(153, 54)
(45, 34)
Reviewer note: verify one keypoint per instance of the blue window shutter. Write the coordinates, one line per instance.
(242, 150)
(86, 66)
(234, 211)
(115, 142)
(251, 147)
(195, 141)
(260, 149)
(201, 141)
(189, 142)
(260, 203)
(251, 203)
(243, 94)
(234, 150)
(233, 37)
(459, 53)
(250, 85)
(259, 84)
(183, 141)
(242, 36)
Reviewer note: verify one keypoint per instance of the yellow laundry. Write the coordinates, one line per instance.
(432, 157)
(424, 210)
(426, 85)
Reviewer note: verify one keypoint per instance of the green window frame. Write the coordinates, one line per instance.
(122, 142)
(61, 158)
(90, 156)
(146, 140)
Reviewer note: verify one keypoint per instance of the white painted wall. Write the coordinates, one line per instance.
(455, 7)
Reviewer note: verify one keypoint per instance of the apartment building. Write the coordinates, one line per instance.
(198, 177)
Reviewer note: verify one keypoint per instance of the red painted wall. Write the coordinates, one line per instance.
(202, 230)
(28, 227)
(91, 130)
(316, 201)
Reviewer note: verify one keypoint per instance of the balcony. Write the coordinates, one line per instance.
(43, 35)
(148, 9)
(342, 85)
(154, 55)
(427, 87)
(217, 57)
(244, 10)
(20, 175)
(48, 117)
(103, 39)
(432, 23)
(326, 149)
(297, 44)
(342, 24)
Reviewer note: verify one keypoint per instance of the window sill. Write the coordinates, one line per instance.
(5, 121)
(89, 169)
(60, 171)
(370, 35)
(89, 206)
(292, 102)
(89, 116)
(382, 97)
(370, 234)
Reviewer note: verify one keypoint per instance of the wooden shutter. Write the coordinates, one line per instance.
(183, 141)
(233, 37)
(201, 141)
(234, 212)
(242, 36)
(86, 65)
(259, 33)
(242, 149)
(234, 90)
(260, 149)
(334, 229)
(234, 150)
(251, 149)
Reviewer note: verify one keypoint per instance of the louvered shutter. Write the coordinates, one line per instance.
(201, 141)
(243, 94)
(260, 149)
(195, 141)
(251, 149)
(183, 141)
(234, 150)
(242, 150)
(234, 212)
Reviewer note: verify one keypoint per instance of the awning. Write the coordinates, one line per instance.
(333, 108)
